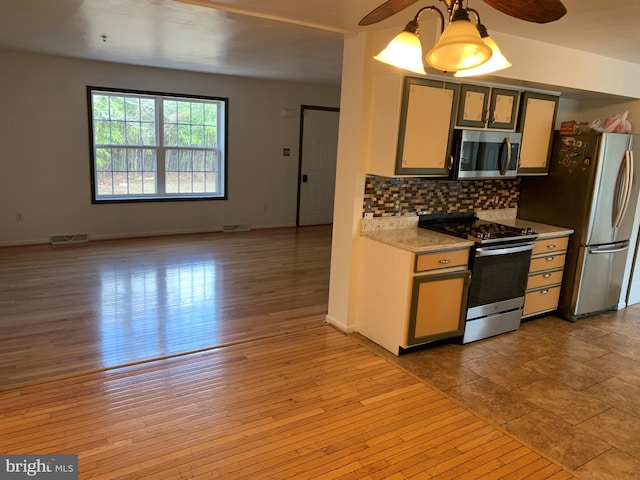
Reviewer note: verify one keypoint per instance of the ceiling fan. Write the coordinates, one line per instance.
(538, 11)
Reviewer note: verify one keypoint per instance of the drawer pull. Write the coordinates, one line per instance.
(546, 275)
(545, 291)
(445, 260)
(549, 259)
(551, 247)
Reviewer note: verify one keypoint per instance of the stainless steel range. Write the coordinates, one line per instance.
(499, 270)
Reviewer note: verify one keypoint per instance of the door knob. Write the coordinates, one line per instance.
(304, 179)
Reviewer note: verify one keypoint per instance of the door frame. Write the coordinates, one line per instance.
(303, 108)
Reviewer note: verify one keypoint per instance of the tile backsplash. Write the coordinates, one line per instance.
(386, 196)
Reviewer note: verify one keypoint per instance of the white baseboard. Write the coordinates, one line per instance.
(334, 322)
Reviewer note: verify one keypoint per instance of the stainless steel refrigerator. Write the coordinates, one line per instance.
(592, 187)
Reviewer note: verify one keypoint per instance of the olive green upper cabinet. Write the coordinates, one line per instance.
(426, 127)
(486, 107)
(537, 121)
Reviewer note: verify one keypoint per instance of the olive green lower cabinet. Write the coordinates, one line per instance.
(409, 299)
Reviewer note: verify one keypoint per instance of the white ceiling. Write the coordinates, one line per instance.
(298, 40)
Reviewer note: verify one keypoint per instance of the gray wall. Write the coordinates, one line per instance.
(44, 161)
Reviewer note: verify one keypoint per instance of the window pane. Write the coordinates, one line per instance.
(132, 109)
(134, 158)
(185, 182)
(148, 110)
(134, 183)
(148, 133)
(170, 134)
(184, 135)
(117, 133)
(116, 108)
(197, 136)
(100, 107)
(172, 161)
(186, 165)
(103, 159)
(184, 112)
(210, 161)
(150, 164)
(119, 159)
(211, 180)
(133, 134)
(211, 114)
(198, 161)
(120, 185)
(171, 182)
(104, 184)
(170, 108)
(210, 137)
(197, 112)
(198, 182)
(149, 182)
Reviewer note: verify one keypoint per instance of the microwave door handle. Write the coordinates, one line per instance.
(507, 142)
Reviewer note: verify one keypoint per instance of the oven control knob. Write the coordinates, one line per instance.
(526, 230)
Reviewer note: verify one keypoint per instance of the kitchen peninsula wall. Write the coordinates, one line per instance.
(388, 196)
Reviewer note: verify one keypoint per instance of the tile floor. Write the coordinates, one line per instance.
(571, 390)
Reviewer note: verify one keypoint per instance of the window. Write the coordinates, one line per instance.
(151, 146)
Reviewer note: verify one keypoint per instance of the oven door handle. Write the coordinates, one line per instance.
(504, 249)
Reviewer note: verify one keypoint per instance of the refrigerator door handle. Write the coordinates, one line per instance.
(623, 203)
(608, 249)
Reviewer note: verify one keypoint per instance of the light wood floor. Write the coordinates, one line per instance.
(271, 392)
(71, 309)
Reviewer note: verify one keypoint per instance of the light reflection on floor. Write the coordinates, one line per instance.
(142, 309)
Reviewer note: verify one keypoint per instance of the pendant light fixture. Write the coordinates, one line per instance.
(461, 46)
(497, 61)
(405, 50)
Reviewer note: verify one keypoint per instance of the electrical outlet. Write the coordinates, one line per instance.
(368, 215)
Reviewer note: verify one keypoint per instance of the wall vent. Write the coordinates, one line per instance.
(236, 228)
(68, 239)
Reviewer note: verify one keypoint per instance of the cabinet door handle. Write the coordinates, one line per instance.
(544, 292)
(546, 275)
(551, 247)
(445, 260)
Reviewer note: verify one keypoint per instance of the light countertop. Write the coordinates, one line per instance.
(403, 232)
(543, 230)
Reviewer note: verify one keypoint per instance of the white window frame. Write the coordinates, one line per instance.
(153, 178)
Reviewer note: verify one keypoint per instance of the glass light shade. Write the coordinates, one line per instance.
(404, 51)
(459, 48)
(495, 63)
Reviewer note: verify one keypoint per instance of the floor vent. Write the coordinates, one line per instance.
(236, 228)
(67, 239)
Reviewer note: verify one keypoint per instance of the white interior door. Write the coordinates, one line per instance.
(317, 166)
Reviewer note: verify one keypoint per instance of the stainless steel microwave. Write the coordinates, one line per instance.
(482, 154)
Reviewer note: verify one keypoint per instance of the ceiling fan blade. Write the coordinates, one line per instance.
(538, 11)
(384, 11)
